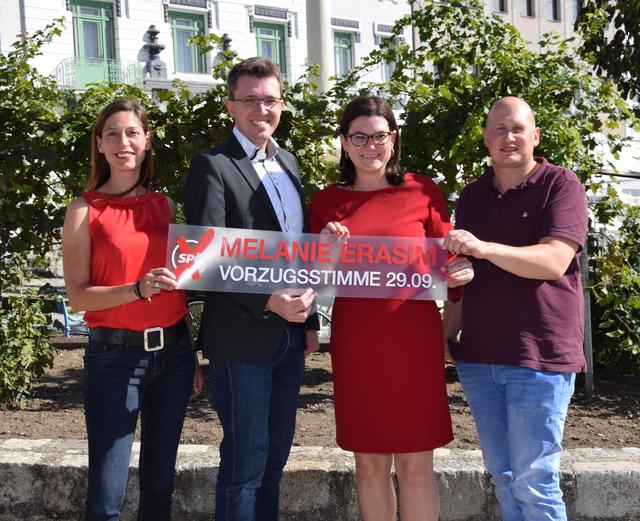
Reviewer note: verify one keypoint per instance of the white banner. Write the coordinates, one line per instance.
(254, 261)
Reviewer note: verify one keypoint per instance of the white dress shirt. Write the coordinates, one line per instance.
(283, 194)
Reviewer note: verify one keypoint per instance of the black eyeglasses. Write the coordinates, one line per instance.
(358, 139)
(255, 103)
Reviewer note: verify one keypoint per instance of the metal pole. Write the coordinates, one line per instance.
(588, 344)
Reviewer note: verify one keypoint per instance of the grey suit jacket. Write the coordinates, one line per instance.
(223, 189)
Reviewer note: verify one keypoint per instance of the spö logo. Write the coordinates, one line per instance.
(178, 256)
(186, 252)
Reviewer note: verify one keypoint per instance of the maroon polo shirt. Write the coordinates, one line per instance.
(508, 319)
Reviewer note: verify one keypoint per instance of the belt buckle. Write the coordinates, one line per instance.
(160, 345)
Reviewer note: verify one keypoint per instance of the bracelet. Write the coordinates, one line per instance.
(136, 290)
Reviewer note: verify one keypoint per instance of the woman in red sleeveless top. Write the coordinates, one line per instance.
(139, 359)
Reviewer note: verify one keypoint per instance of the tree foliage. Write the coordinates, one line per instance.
(45, 161)
(615, 272)
(464, 62)
(45, 144)
(25, 351)
(443, 90)
(445, 87)
(31, 192)
(611, 30)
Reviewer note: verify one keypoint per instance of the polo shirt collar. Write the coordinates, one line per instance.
(531, 181)
(252, 151)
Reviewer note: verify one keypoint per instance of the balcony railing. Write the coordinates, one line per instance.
(77, 73)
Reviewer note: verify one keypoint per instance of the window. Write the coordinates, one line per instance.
(438, 72)
(554, 10)
(343, 51)
(500, 6)
(270, 39)
(93, 30)
(388, 67)
(528, 8)
(94, 43)
(575, 10)
(187, 57)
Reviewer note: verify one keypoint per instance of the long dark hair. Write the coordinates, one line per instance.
(370, 106)
(100, 169)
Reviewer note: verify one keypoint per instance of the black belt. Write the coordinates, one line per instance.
(151, 339)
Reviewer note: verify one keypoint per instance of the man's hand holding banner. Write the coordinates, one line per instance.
(253, 261)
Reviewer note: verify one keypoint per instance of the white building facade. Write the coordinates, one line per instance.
(105, 39)
(292, 32)
(533, 18)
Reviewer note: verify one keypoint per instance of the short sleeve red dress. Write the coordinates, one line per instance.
(387, 355)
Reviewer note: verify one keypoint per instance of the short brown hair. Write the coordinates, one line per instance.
(370, 106)
(257, 67)
(100, 169)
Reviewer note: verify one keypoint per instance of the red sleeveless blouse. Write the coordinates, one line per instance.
(128, 238)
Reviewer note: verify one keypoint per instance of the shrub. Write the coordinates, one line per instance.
(24, 348)
(615, 278)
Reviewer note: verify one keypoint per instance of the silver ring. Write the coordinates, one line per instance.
(156, 284)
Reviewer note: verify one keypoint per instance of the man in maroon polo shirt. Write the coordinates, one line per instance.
(522, 224)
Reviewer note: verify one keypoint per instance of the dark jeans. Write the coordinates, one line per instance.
(256, 404)
(120, 383)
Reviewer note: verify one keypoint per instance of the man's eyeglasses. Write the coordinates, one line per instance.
(358, 139)
(255, 103)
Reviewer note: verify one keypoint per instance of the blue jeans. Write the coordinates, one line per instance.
(256, 404)
(519, 414)
(120, 383)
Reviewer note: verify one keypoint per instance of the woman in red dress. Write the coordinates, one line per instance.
(387, 354)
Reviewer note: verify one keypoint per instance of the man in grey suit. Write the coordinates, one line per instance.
(257, 343)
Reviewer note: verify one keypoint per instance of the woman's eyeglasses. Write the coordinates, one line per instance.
(255, 103)
(358, 139)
